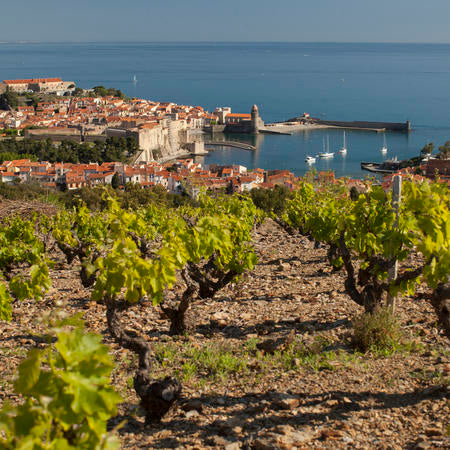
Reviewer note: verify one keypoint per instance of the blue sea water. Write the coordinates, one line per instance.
(379, 82)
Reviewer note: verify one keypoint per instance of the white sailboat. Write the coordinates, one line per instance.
(343, 150)
(326, 154)
(134, 79)
(384, 148)
(310, 159)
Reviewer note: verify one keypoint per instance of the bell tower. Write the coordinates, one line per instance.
(255, 119)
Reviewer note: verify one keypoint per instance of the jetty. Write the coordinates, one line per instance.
(371, 126)
(274, 131)
(378, 127)
(235, 144)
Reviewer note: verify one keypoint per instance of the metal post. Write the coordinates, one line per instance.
(396, 198)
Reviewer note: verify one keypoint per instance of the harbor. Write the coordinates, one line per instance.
(290, 151)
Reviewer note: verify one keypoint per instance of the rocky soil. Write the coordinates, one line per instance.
(237, 392)
(26, 210)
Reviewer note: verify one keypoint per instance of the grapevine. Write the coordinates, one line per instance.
(364, 231)
(24, 266)
(68, 398)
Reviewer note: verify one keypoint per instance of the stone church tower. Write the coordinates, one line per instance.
(257, 122)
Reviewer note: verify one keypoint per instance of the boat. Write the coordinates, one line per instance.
(310, 159)
(388, 166)
(134, 79)
(343, 150)
(326, 154)
(384, 148)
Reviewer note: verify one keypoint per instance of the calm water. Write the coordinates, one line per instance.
(381, 82)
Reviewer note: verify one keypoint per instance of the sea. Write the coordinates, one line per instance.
(334, 81)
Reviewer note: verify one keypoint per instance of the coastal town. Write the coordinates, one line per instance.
(163, 131)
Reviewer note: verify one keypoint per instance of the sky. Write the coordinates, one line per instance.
(230, 20)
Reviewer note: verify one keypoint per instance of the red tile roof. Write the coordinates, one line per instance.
(243, 116)
(32, 80)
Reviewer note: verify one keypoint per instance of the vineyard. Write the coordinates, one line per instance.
(321, 323)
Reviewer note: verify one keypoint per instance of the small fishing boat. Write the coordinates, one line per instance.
(310, 159)
(343, 150)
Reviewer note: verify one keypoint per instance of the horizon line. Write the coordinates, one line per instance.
(25, 41)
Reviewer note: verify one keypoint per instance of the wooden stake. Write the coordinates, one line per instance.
(396, 199)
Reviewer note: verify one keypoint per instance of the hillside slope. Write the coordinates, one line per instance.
(318, 393)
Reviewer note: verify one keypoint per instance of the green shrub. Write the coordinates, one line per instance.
(28, 191)
(271, 200)
(376, 331)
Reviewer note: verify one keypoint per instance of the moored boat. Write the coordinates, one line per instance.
(310, 159)
(388, 166)
(343, 150)
(384, 148)
(326, 154)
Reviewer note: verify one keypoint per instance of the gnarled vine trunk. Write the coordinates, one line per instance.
(206, 281)
(209, 278)
(180, 318)
(157, 396)
(373, 292)
(87, 280)
(371, 295)
(81, 252)
(441, 304)
(332, 255)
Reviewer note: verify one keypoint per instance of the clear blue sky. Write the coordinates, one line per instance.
(229, 20)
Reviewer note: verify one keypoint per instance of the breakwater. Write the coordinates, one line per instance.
(363, 125)
(274, 131)
(235, 144)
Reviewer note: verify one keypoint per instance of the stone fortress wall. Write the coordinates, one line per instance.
(43, 85)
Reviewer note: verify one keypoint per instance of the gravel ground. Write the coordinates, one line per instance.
(328, 397)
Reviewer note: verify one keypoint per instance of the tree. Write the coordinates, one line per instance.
(115, 182)
(78, 92)
(427, 150)
(34, 101)
(9, 100)
(100, 91)
(444, 151)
